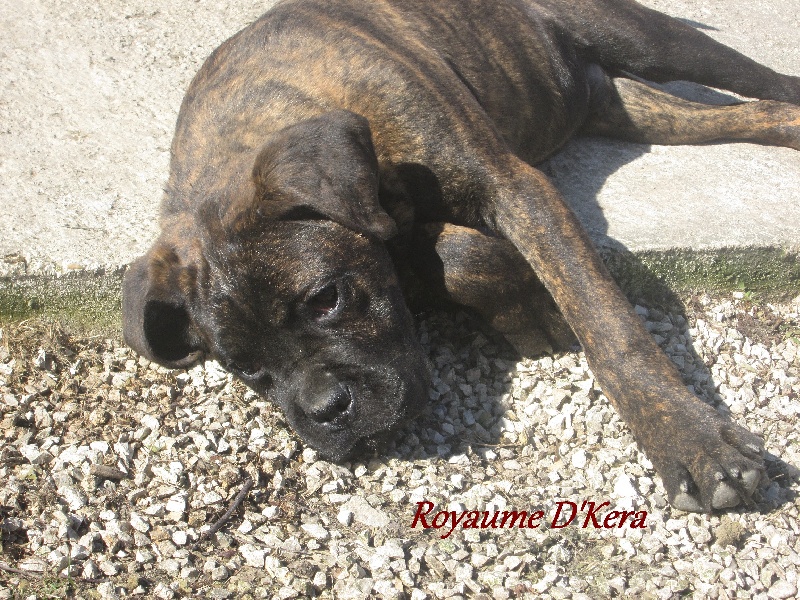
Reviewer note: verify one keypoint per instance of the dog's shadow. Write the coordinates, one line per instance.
(585, 164)
(580, 171)
(466, 412)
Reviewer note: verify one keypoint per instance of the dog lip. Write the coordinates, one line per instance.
(371, 444)
(413, 406)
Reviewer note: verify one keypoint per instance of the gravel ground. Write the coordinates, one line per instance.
(113, 469)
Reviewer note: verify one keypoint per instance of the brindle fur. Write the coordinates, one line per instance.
(333, 142)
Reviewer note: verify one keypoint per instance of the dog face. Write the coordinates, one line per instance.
(292, 290)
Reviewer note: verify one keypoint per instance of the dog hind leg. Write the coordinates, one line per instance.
(488, 275)
(634, 111)
(622, 35)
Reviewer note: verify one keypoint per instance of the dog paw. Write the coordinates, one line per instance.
(784, 125)
(791, 90)
(709, 463)
(788, 135)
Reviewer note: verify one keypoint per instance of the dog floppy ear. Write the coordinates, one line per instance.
(156, 319)
(323, 167)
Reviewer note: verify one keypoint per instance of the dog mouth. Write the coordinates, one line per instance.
(357, 419)
(377, 442)
(372, 445)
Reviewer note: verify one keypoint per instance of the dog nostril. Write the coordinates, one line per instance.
(330, 405)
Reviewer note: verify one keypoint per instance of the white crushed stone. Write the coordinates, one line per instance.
(498, 435)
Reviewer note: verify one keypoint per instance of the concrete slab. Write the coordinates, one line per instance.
(640, 197)
(89, 93)
(89, 96)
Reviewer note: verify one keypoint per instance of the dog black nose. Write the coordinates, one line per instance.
(326, 407)
(324, 398)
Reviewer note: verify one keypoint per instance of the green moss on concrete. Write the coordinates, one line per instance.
(769, 273)
(89, 301)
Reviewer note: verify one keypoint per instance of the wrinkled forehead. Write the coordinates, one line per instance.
(288, 257)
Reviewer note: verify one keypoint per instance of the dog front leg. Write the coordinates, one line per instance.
(704, 460)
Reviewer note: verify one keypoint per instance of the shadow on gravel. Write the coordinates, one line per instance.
(580, 171)
(462, 344)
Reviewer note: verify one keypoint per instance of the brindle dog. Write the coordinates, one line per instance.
(333, 143)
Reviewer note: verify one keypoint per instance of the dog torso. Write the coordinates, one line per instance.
(398, 64)
(333, 143)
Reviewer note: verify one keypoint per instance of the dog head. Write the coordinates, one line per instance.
(291, 288)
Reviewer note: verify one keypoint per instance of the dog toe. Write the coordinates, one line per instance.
(725, 497)
(686, 502)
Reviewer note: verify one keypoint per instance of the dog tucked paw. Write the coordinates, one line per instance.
(788, 135)
(710, 464)
(784, 129)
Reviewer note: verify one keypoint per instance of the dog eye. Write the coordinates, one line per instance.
(250, 372)
(323, 303)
